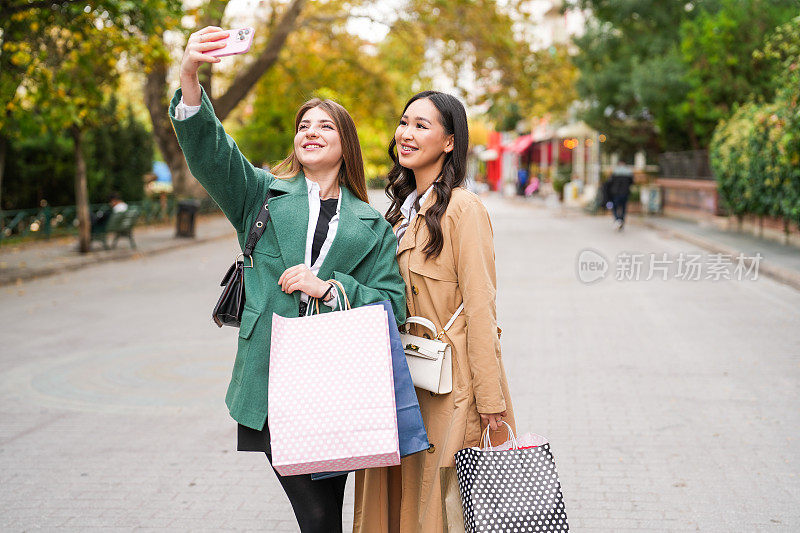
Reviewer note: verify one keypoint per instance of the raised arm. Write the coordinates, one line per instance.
(213, 157)
(195, 54)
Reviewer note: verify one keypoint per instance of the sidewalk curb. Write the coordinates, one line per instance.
(779, 274)
(97, 258)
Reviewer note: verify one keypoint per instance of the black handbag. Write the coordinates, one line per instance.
(228, 311)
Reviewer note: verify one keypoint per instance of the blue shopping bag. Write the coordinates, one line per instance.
(410, 428)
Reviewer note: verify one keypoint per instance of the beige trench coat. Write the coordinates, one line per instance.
(408, 498)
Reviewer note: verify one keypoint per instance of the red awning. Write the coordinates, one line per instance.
(521, 144)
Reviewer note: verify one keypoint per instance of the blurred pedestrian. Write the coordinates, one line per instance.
(522, 180)
(116, 203)
(619, 187)
(446, 257)
(321, 227)
(532, 187)
(100, 218)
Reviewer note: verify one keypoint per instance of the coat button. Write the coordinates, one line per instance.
(431, 449)
(414, 289)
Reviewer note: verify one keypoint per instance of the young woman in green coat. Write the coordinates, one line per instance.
(321, 228)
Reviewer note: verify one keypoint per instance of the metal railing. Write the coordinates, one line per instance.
(52, 221)
(692, 164)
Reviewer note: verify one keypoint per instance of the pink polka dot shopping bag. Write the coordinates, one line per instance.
(331, 392)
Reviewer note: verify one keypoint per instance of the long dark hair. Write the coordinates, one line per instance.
(453, 118)
(351, 173)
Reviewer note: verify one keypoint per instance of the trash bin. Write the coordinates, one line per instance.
(187, 211)
(650, 198)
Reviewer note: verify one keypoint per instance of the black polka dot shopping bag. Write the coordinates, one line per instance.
(513, 487)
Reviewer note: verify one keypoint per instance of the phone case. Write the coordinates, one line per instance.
(238, 42)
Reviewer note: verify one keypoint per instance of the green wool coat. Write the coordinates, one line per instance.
(362, 256)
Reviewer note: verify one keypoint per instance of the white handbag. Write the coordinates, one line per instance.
(429, 359)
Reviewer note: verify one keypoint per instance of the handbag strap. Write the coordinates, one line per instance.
(450, 322)
(424, 322)
(258, 227)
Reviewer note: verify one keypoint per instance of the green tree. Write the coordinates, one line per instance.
(717, 47)
(120, 151)
(781, 53)
(62, 67)
(628, 64)
(660, 75)
(755, 153)
(40, 166)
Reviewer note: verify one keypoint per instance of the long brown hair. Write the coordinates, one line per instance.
(453, 118)
(351, 173)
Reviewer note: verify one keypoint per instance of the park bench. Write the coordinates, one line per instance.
(121, 225)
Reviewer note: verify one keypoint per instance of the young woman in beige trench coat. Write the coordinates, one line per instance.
(446, 257)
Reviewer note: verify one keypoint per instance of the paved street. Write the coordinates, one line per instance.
(670, 405)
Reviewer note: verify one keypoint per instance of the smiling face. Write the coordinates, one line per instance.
(317, 143)
(421, 139)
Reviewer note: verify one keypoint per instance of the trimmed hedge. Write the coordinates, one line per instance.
(755, 154)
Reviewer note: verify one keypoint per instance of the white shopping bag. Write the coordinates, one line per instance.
(331, 400)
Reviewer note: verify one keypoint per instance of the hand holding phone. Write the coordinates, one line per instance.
(238, 42)
(207, 46)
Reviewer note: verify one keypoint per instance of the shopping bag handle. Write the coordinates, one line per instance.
(343, 301)
(312, 309)
(342, 294)
(487, 440)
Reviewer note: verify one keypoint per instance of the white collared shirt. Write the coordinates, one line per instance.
(409, 213)
(314, 202)
(183, 111)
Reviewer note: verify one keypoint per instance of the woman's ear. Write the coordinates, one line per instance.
(449, 144)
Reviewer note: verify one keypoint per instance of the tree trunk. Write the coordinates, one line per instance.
(155, 97)
(81, 193)
(3, 148)
(786, 231)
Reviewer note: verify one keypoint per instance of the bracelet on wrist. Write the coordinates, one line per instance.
(324, 297)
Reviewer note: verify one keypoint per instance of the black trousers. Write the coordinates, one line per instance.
(317, 505)
(620, 203)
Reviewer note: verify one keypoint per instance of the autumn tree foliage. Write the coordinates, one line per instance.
(60, 64)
